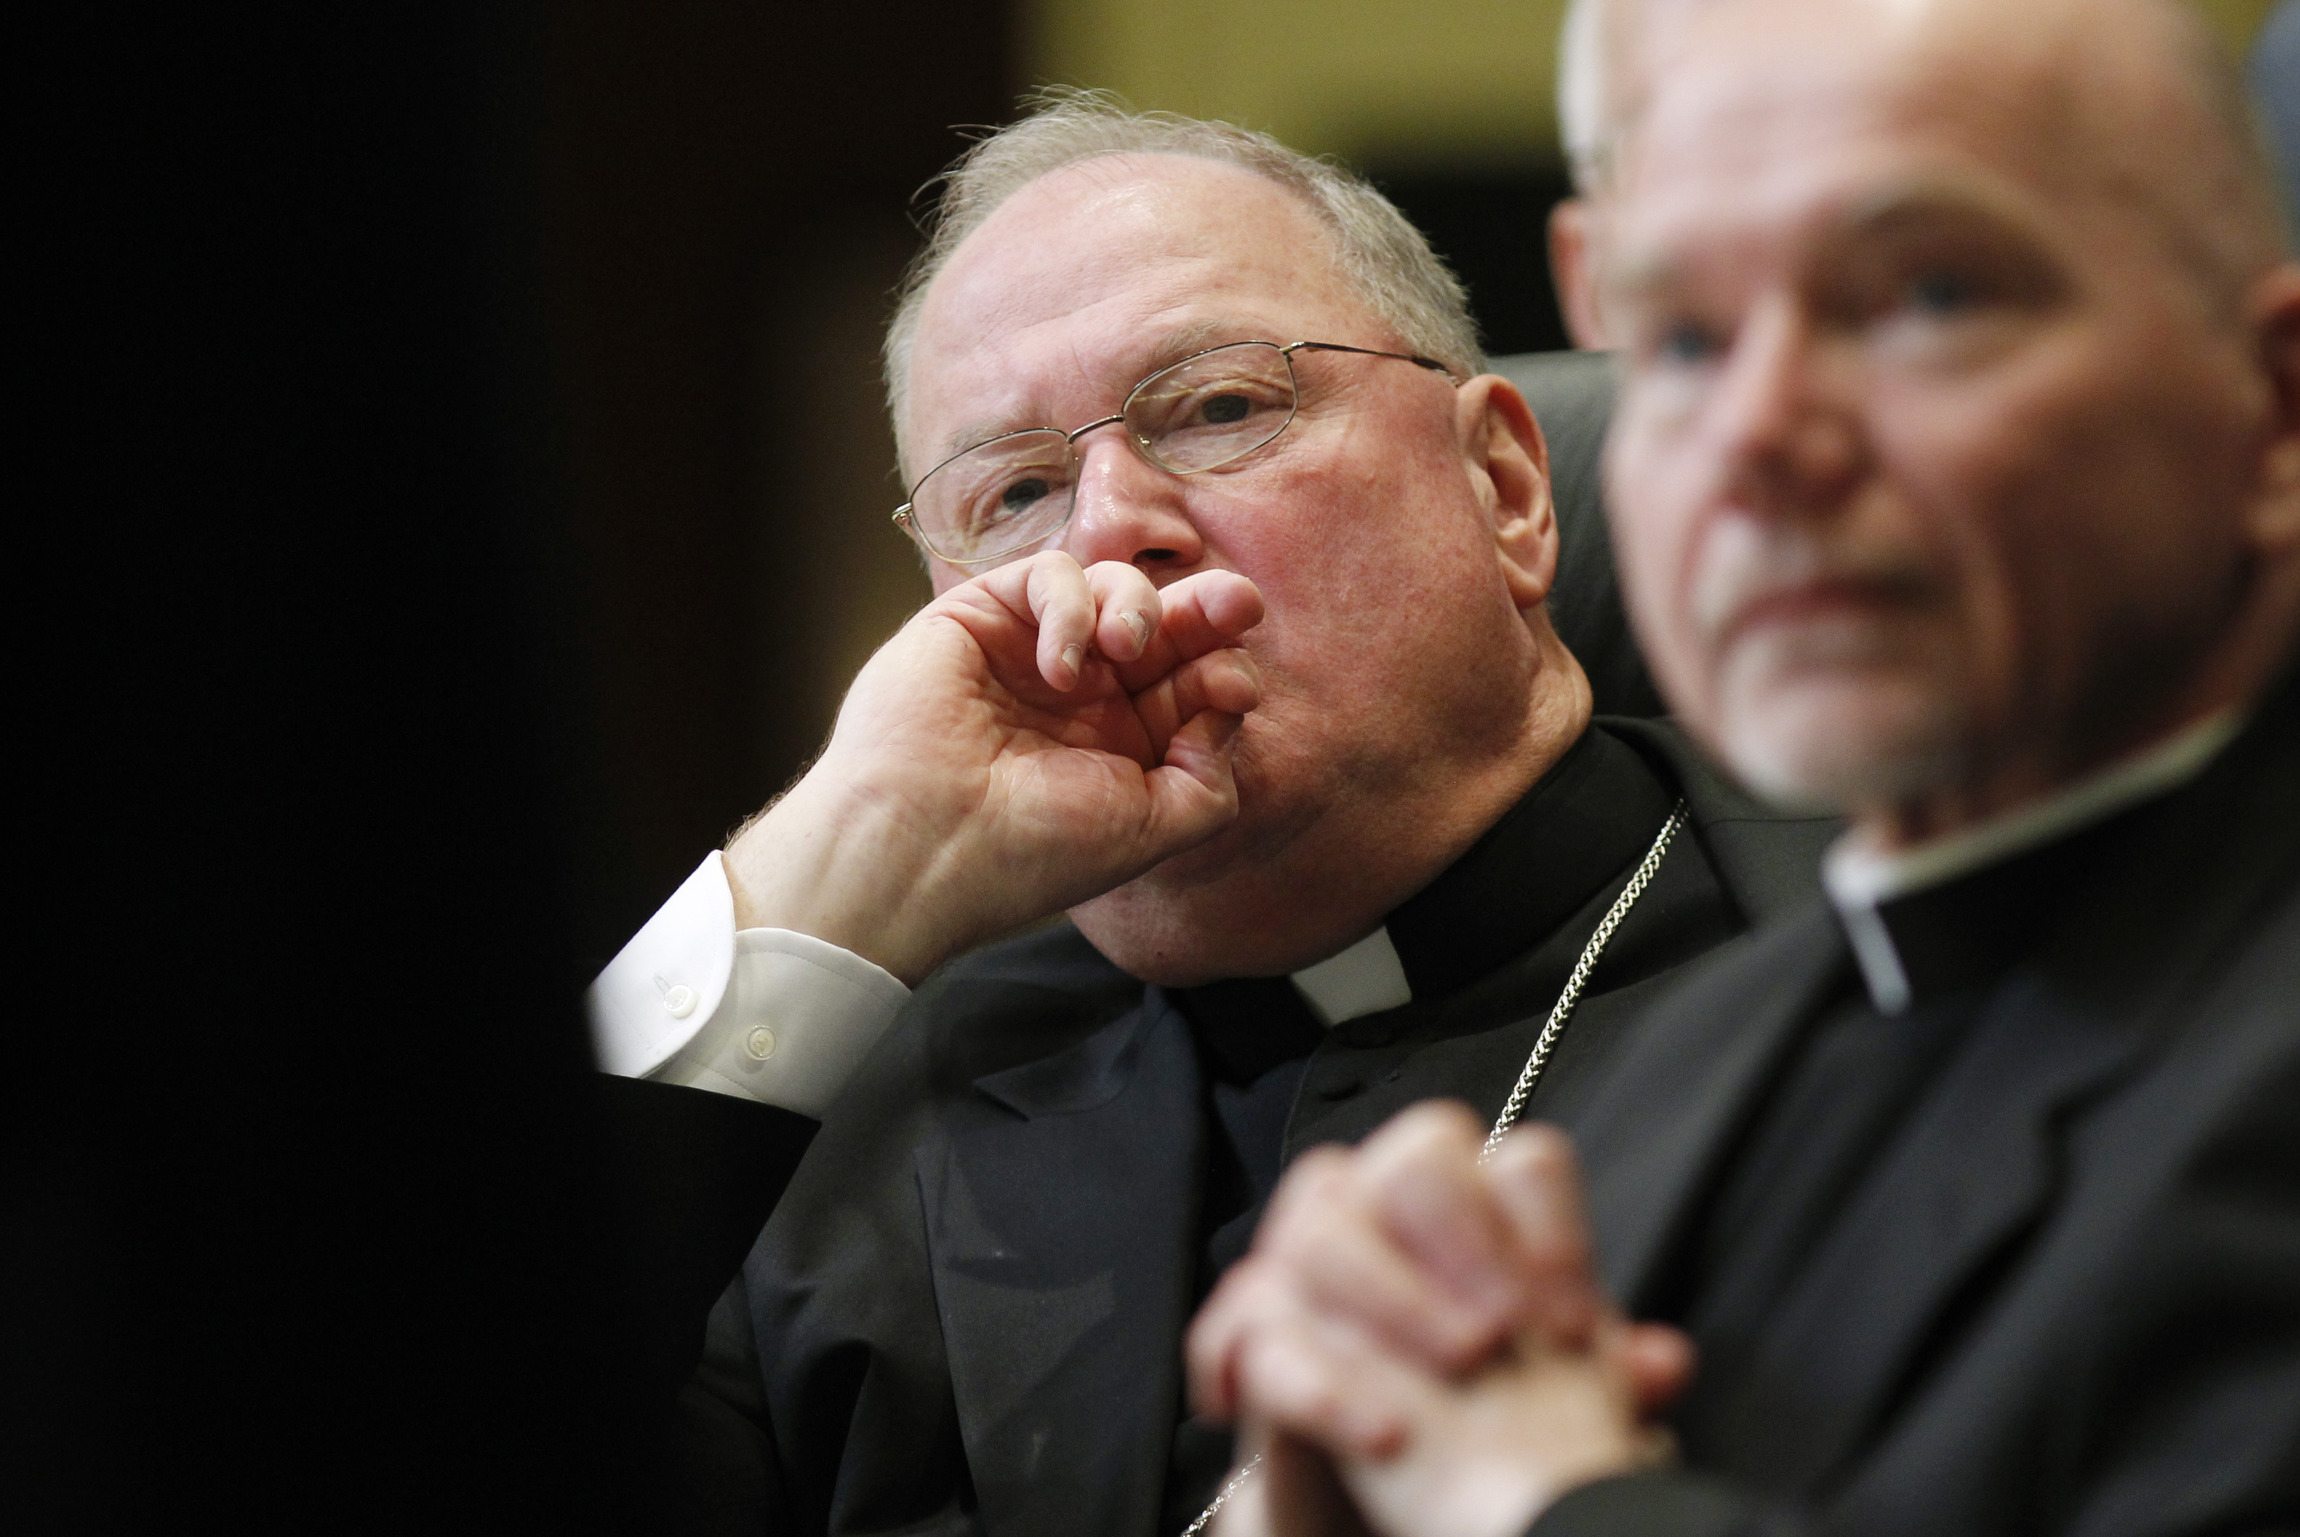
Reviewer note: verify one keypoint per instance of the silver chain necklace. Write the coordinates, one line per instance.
(1543, 1045)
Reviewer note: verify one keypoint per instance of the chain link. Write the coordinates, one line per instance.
(1547, 1041)
(1237, 1482)
(1543, 1045)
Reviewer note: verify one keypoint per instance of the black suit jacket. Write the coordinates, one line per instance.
(967, 1313)
(2077, 1303)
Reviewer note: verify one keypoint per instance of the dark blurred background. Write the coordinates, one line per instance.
(724, 201)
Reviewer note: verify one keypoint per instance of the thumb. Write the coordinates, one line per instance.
(1194, 793)
(1659, 1363)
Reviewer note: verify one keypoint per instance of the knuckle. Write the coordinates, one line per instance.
(1309, 1184)
(1319, 1232)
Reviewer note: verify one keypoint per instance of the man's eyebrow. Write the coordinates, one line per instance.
(1132, 363)
(973, 434)
(1915, 206)
(1641, 272)
(1171, 346)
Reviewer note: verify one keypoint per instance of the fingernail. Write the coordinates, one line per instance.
(1074, 658)
(1138, 625)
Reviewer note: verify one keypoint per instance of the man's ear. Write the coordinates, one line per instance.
(2275, 514)
(1571, 271)
(1509, 462)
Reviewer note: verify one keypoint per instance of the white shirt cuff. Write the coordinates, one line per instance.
(765, 1014)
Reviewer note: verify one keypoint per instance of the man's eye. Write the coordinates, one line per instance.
(1022, 493)
(1942, 293)
(1686, 342)
(995, 504)
(1221, 409)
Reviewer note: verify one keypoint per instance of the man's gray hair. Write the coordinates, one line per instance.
(1378, 251)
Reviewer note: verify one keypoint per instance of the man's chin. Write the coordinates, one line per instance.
(1146, 937)
(1841, 743)
(1201, 915)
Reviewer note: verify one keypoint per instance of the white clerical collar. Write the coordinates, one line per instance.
(1366, 978)
(1859, 876)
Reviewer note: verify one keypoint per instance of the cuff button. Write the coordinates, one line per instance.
(760, 1043)
(680, 1001)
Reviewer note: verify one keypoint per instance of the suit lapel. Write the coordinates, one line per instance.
(1652, 1135)
(1058, 1225)
(1963, 1185)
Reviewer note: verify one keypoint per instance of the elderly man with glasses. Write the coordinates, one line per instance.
(1254, 674)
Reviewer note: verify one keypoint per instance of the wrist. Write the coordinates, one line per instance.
(837, 864)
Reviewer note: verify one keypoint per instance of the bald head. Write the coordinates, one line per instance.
(2138, 94)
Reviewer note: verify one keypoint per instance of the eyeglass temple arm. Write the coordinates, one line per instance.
(1372, 352)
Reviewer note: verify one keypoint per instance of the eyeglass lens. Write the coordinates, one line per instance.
(1011, 492)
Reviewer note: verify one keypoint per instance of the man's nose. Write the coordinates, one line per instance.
(1787, 417)
(1129, 509)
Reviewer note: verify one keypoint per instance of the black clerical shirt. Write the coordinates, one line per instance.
(1838, 1187)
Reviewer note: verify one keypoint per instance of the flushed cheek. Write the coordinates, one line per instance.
(1343, 656)
(1336, 556)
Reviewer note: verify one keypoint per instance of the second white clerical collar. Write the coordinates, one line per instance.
(1366, 978)
(1859, 876)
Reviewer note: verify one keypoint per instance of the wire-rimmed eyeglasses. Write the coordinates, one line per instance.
(1210, 409)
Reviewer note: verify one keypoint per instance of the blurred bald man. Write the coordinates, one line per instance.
(1956, 483)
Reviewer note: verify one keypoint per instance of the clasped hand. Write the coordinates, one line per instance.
(1028, 740)
(1418, 1346)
